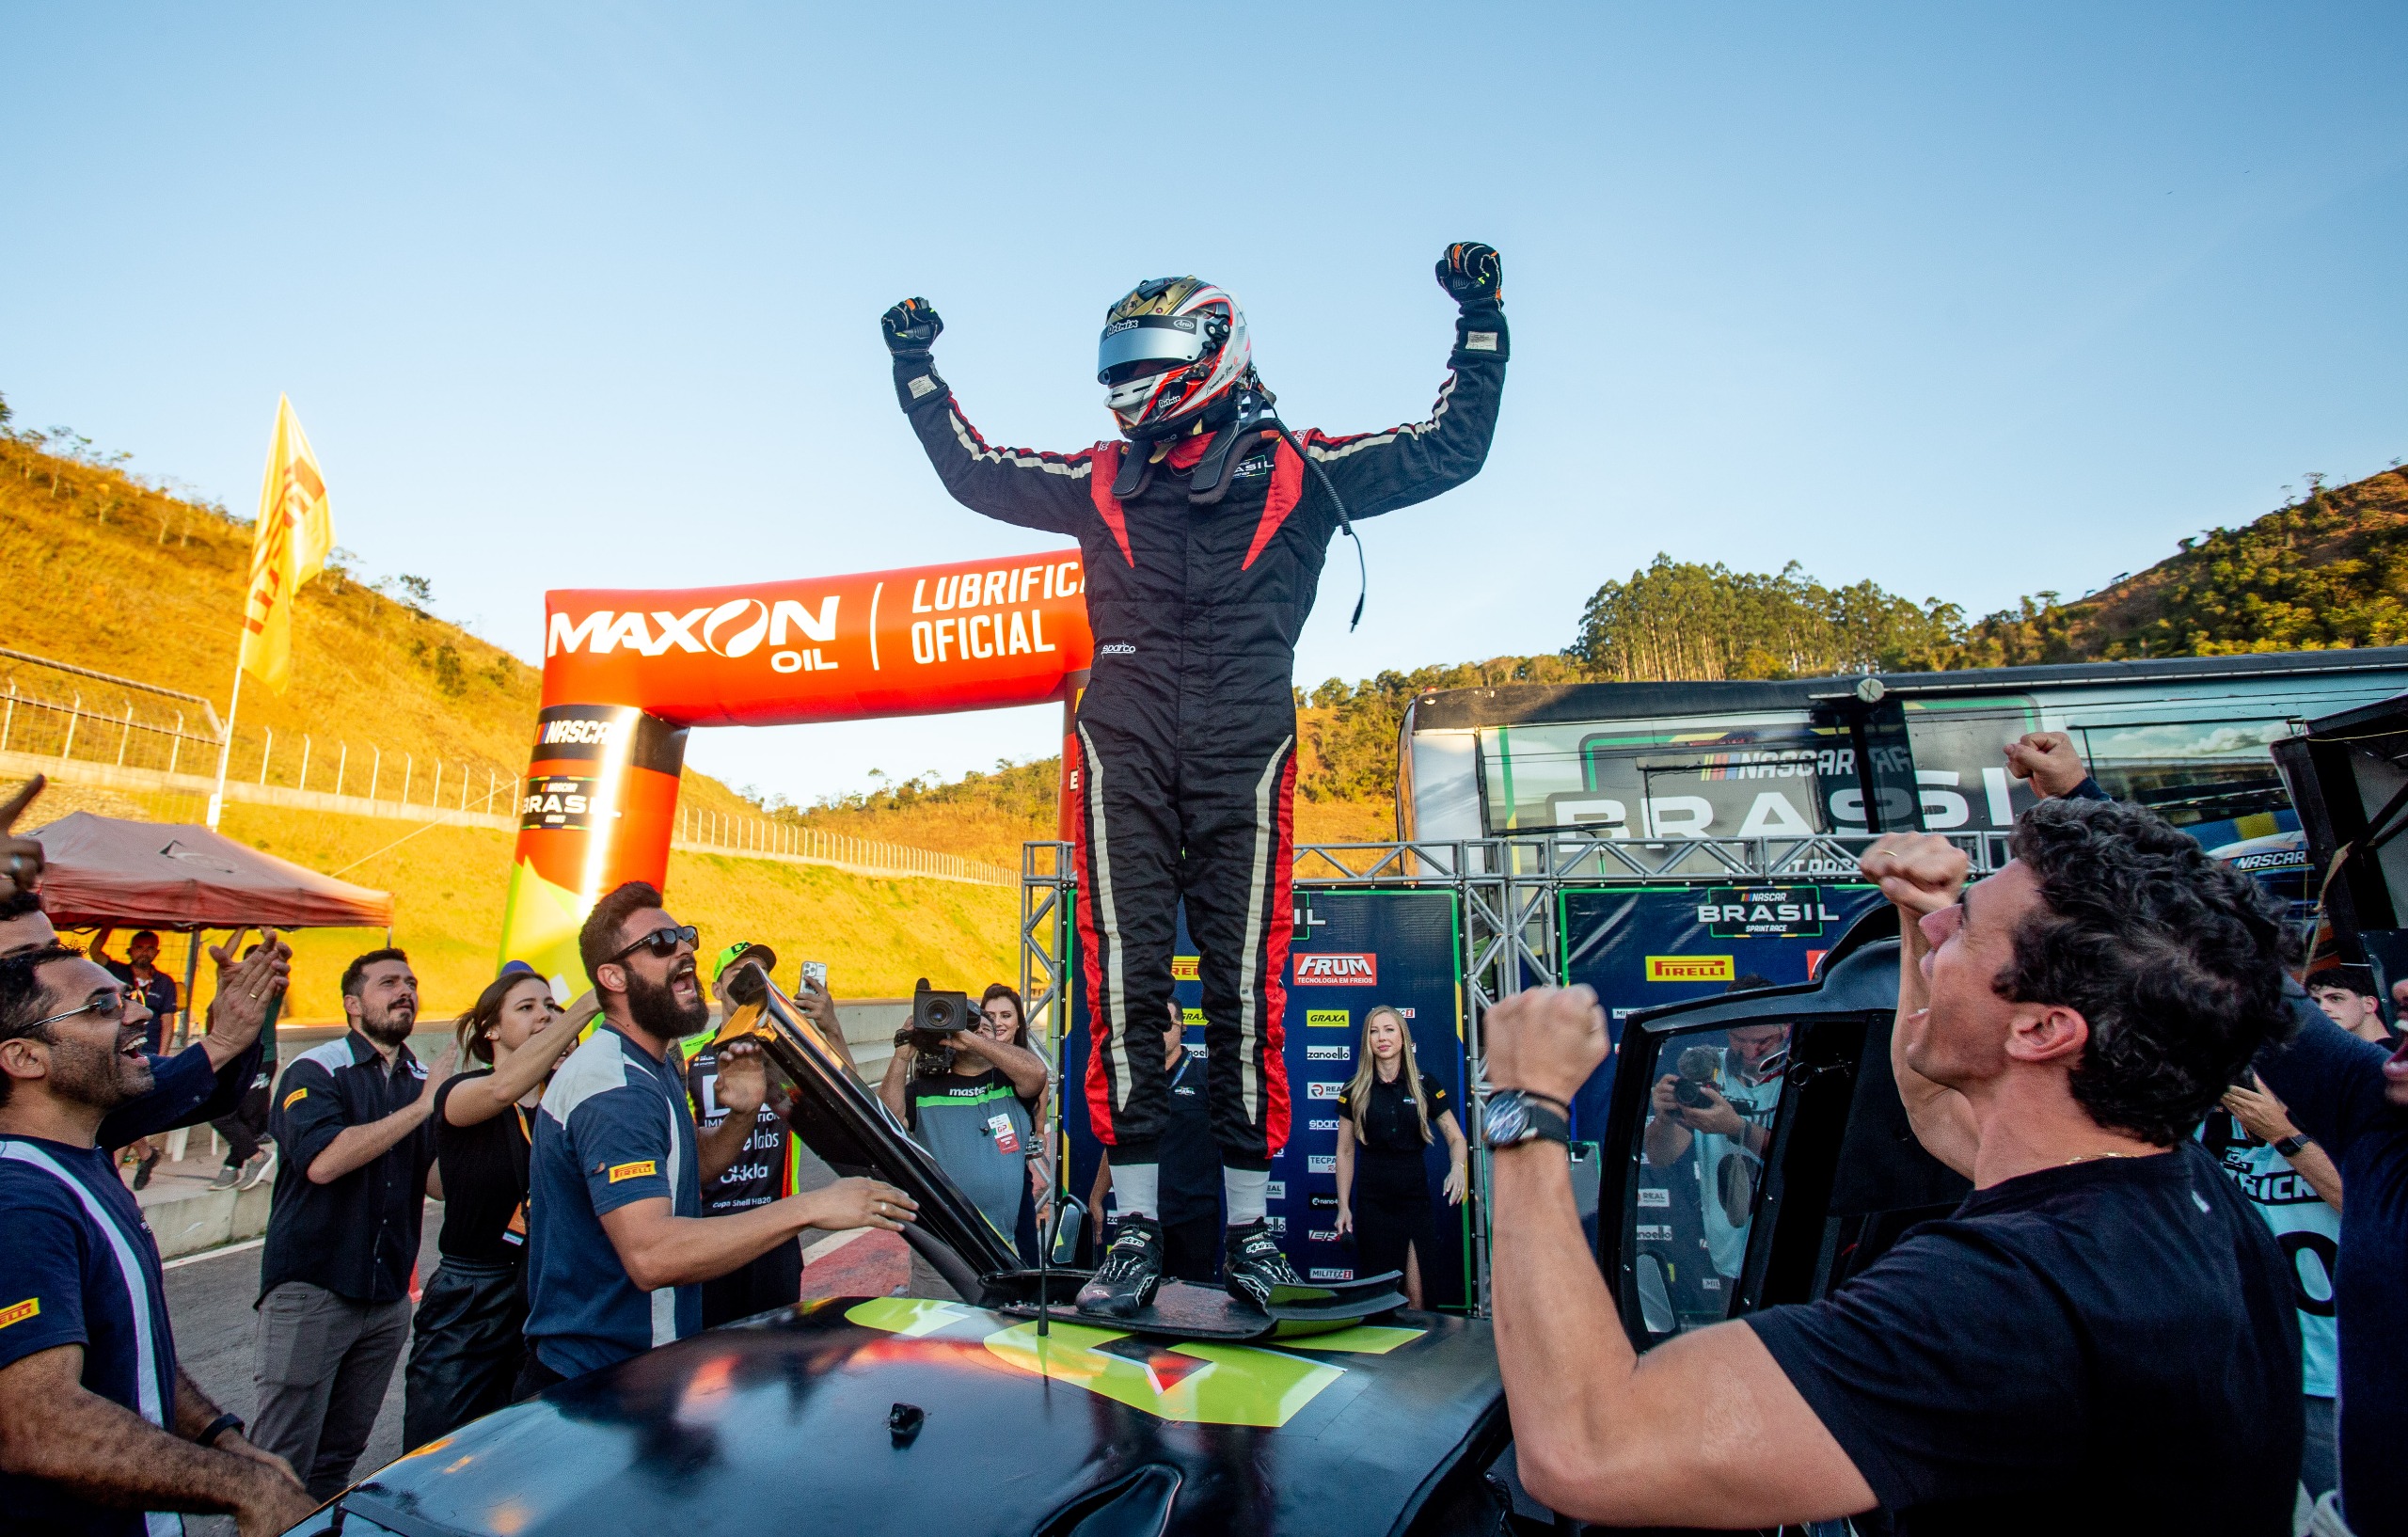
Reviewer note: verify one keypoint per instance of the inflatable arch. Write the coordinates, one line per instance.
(626, 674)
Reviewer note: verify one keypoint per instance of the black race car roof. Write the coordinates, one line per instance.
(781, 1424)
(1537, 703)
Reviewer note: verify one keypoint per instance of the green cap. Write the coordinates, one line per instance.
(735, 951)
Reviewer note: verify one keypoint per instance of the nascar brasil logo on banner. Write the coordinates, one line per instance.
(1355, 971)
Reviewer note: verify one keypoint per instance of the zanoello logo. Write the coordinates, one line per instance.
(1689, 969)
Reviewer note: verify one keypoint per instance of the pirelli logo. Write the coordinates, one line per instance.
(295, 1097)
(1327, 1019)
(636, 1170)
(1689, 969)
(1182, 968)
(18, 1312)
(1338, 971)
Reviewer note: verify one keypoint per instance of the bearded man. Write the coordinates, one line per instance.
(352, 1119)
(618, 1246)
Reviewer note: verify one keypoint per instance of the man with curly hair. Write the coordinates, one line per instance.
(2099, 1338)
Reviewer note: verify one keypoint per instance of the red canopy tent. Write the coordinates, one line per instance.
(103, 871)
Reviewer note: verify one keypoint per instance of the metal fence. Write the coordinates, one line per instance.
(762, 837)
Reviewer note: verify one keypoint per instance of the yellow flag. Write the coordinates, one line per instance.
(295, 534)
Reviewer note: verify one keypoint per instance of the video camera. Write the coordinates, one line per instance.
(938, 1015)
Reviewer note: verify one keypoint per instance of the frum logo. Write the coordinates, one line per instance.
(1339, 971)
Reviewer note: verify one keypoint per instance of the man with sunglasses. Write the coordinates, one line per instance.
(618, 1244)
(101, 1430)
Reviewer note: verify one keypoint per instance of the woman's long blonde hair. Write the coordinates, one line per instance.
(1358, 1091)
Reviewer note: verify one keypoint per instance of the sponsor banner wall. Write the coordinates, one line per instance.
(1644, 947)
(1354, 949)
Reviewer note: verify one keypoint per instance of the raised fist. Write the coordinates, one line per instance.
(1472, 274)
(911, 326)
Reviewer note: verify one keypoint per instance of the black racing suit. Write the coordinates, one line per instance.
(1186, 770)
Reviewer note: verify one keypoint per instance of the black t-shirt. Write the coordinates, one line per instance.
(2103, 1347)
(1389, 1125)
(759, 1173)
(1190, 1161)
(484, 1182)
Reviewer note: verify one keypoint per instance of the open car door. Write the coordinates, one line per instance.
(854, 1134)
(1785, 1163)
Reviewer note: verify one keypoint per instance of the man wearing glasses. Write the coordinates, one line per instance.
(101, 1430)
(618, 1247)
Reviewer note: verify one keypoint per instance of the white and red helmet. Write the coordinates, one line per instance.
(1171, 349)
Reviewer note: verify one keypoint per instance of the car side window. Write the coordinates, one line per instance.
(1700, 1170)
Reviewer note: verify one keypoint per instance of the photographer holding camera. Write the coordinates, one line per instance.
(967, 1086)
(1720, 1100)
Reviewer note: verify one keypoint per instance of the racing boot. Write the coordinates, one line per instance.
(1254, 1264)
(1131, 1272)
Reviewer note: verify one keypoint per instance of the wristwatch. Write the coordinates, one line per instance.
(2288, 1147)
(215, 1428)
(1514, 1116)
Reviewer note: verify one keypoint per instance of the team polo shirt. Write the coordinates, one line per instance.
(977, 1127)
(356, 1236)
(615, 1127)
(78, 1267)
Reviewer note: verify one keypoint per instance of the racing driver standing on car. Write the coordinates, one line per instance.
(1203, 531)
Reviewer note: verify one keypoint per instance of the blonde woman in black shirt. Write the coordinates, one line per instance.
(1387, 1117)
(467, 1345)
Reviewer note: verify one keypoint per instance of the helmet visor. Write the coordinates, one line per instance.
(1147, 345)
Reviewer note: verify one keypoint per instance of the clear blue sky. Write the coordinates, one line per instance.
(1973, 303)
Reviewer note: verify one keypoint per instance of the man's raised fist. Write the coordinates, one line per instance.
(911, 326)
(1472, 274)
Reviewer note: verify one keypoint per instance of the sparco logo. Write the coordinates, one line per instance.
(1345, 971)
(1118, 648)
(1329, 1126)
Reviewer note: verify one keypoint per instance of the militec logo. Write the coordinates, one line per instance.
(735, 629)
(1338, 971)
(1323, 1274)
(1321, 1235)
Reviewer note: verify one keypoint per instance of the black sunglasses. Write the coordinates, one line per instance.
(662, 943)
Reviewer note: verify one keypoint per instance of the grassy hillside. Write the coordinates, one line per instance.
(2328, 570)
(141, 584)
(876, 936)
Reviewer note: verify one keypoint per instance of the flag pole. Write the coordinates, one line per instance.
(226, 743)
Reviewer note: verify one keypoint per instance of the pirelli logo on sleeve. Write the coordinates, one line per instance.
(636, 1170)
(18, 1312)
(1689, 969)
(295, 1097)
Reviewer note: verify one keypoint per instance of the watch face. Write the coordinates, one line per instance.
(1509, 1120)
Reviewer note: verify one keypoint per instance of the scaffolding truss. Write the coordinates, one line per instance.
(1506, 890)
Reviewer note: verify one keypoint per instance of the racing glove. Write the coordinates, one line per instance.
(1472, 274)
(913, 326)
